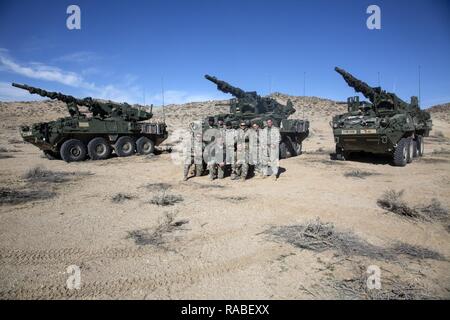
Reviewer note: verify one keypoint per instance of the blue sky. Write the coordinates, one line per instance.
(125, 48)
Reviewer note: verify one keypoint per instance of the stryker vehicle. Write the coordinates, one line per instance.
(385, 125)
(117, 127)
(249, 106)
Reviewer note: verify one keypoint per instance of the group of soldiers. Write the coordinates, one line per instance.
(221, 149)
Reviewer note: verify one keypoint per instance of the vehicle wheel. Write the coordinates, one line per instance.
(415, 153)
(410, 150)
(297, 148)
(420, 146)
(283, 150)
(145, 146)
(124, 147)
(401, 153)
(73, 150)
(50, 155)
(98, 149)
(341, 155)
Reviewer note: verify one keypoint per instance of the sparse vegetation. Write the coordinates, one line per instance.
(392, 201)
(159, 186)
(39, 174)
(157, 236)
(359, 174)
(232, 198)
(13, 196)
(166, 199)
(357, 288)
(121, 197)
(415, 251)
(318, 236)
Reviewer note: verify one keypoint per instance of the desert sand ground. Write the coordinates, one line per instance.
(218, 241)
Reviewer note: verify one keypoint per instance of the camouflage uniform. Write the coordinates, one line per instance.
(193, 152)
(242, 153)
(230, 154)
(269, 147)
(254, 150)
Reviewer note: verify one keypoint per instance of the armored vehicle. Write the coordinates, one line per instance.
(249, 106)
(385, 125)
(105, 127)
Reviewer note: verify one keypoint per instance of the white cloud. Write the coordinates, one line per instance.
(179, 97)
(127, 91)
(43, 72)
(78, 57)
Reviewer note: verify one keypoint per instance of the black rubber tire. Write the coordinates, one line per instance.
(415, 153)
(50, 155)
(341, 155)
(283, 150)
(410, 150)
(99, 149)
(124, 147)
(298, 148)
(420, 146)
(73, 150)
(401, 153)
(145, 146)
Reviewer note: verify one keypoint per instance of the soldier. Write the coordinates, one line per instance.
(242, 151)
(230, 154)
(193, 151)
(255, 156)
(270, 142)
(220, 123)
(210, 123)
(214, 150)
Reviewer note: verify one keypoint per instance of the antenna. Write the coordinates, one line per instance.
(144, 97)
(270, 84)
(379, 84)
(304, 84)
(420, 99)
(304, 92)
(162, 94)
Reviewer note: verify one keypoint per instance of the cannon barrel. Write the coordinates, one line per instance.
(358, 85)
(226, 87)
(97, 107)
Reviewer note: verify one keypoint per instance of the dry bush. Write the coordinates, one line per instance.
(392, 201)
(166, 199)
(157, 236)
(318, 236)
(415, 251)
(159, 186)
(39, 174)
(357, 288)
(232, 198)
(12, 196)
(121, 197)
(359, 174)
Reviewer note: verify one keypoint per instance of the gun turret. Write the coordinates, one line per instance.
(227, 88)
(98, 108)
(376, 95)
